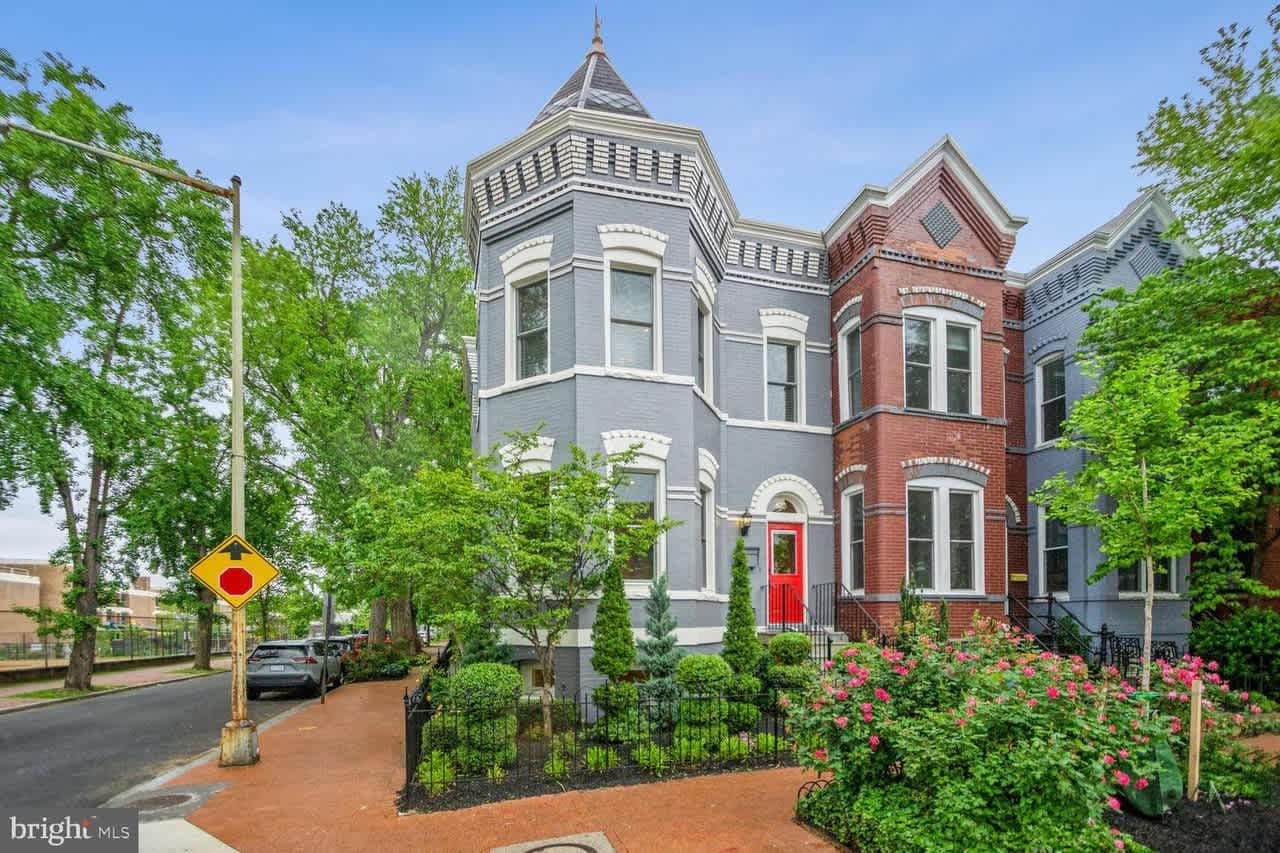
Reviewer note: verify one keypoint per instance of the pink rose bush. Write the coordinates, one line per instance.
(989, 742)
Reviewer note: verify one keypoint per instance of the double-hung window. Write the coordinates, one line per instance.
(851, 372)
(1051, 391)
(702, 346)
(631, 340)
(782, 381)
(706, 530)
(944, 536)
(1133, 578)
(940, 363)
(1053, 553)
(641, 494)
(855, 540)
(531, 329)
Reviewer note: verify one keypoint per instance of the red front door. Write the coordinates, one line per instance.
(786, 573)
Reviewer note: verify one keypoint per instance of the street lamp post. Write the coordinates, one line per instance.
(239, 740)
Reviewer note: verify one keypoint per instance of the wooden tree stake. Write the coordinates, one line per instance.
(1193, 751)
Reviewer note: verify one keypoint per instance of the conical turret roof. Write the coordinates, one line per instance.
(596, 85)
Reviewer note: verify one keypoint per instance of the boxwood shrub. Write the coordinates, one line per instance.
(703, 674)
(486, 690)
(790, 649)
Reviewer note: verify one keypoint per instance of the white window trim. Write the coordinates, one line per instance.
(1041, 441)
(846, 404)
(779, 324)
(845, 522)
(525, 263)
(708, 468)
(1175, 568)
(938, 319)
(941, 486)
(1042, 569)
(537, 459)
(651, 457)
(704, 291)
(640, 249)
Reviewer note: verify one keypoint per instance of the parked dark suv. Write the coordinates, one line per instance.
(292, 665)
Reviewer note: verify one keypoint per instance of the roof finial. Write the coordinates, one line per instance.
(597, 43)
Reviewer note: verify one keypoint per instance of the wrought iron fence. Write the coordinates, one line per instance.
(833, 605)
(655, 736)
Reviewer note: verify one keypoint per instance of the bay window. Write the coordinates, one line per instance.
(944, 536)
(940, 363)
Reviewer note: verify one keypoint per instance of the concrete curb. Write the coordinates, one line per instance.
(202, 758)
(44, 703)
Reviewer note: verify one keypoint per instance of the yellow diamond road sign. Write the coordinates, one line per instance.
(234, 571)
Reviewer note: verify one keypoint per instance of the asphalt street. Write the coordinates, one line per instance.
(80, 754)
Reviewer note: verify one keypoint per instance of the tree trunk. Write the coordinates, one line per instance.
(547, 659)
(402, 628)
(378, 621)
(204, 631)
(83, 649)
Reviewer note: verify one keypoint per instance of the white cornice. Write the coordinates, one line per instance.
(946, 151)
(774, 231)
(1105, 237)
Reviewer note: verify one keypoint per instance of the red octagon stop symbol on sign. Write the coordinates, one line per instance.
(235, 581)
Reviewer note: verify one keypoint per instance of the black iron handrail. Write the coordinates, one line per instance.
(839, 609)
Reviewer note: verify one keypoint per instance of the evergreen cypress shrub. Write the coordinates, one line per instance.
(611, 638)
(703, 674)
(741, 648)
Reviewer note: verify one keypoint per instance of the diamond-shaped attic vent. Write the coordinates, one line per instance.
(941, 224)
(1146, 261)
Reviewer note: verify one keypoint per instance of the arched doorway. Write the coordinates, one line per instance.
(786, 502)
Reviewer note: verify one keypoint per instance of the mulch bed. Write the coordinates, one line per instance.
(477, 792)
(1208, 825)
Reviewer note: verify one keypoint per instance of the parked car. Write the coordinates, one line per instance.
(292, 665)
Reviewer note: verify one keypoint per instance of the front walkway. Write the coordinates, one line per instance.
(139, 676)
(329, 776)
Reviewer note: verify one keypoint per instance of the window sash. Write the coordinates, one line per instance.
(781, 381)
(856, 573)
(1053, 399)
(959, 368)
(700, 375)
(641, 492)
(531, 330)
(920, 538)
(631, 313)
(703, 524)
(853, 367)
(918, 354)
(962, 539)
(1055, 550)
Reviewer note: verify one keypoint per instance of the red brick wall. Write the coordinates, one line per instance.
(883, 440)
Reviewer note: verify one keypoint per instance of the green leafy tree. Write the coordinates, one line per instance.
(741, 648)
(356, 346)
(523, 550)
(614, 647)
(658, 653)
(1215, 154)
(101, 267)
(1153, 475)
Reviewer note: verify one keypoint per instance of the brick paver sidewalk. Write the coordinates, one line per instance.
(329, 775)
(135, 677)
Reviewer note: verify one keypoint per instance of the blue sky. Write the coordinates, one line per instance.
(802, 105)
